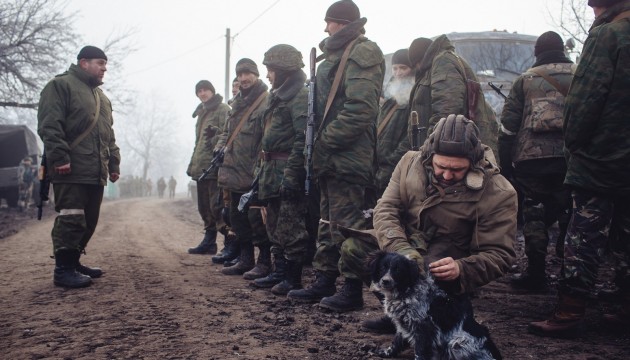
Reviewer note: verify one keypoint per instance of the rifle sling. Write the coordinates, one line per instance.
(386, 120)
(542, 73)
(249, 111)
(92, 125)
(621, 16)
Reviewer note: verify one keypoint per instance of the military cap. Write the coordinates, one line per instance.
(204, 84)
(401, 57)
(247, 65)
(91, 52)
(603, 3)
(283, 57)
(417, 49)
(343, 12)
(549, 41)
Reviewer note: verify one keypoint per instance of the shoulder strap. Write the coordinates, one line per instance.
(249, 111)
(386, 120)
(540, 72)
(621, 16)
(78, 140)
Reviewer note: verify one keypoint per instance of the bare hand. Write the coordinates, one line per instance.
(445, 269)
(113, 177)
(63, 169)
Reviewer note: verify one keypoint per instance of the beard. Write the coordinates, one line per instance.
(445, 183)
(399, 89)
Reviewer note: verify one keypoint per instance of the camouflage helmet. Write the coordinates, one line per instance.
(283, 57)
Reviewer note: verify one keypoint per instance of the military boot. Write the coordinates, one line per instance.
(208, 245)
(92, 272)
(277, 275)
(534, 279)
(263, 264)
(292, 281)
(566, 322)
(233, 261)
(65, 274)
(349, 298)
(245, 263)
(324, 285)
(230, 251)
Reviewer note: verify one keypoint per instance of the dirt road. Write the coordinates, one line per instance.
(157, 302)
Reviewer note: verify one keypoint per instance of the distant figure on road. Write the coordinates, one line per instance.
(26, 177)
(161, 186)
(172, 183)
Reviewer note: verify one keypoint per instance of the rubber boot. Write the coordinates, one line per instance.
(245, 263)
(534, 279)
(349, 298)
(292, 281)
(566, 322)
(382, 325)
(263, 264)
(92, 272)
(324, 285)
(208, 245)
(230, 251)
(277, 275)
(65, 274)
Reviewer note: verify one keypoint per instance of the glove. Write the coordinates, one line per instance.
(216, 151)
(225, 215)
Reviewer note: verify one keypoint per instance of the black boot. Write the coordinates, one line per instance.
(245, 263)
(208, 245)
(65, 274)
(263, 264)
(230, 251)
(349, 298)
(277, 275)
(534, 279)
(233, 261)
(324, 285)
(292, 281)
(92, 272)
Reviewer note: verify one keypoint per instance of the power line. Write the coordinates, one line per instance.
(257, 17)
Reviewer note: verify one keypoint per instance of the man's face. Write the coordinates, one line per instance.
(235, 86)
(271, 75)
(246, 80)
(450, 170)
(94, 67)
(401, 70)
(598, 10)
(204, 94)
(332, 27)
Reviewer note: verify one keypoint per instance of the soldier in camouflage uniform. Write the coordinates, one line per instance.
(236, 174)
(81, 155)
(282, 171)
(441, 89)
(597, 142)
(392, 141)
(344, 151)
(530, 143)
(211, 114)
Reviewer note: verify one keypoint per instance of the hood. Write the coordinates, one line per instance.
(294, 83)
(441, 43)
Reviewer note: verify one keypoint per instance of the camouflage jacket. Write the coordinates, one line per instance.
(66, 109)
(237, 171)
(596, 131)
(440, 90)
(532, 98)
(345, 143)
(284, 122)
(211, 117)
(392, 142)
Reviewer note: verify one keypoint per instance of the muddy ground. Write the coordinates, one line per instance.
(157, 302)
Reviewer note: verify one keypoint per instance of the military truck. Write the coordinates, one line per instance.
(16, 143)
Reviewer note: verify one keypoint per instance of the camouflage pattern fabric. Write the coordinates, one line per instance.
(286, 228)
(392, 143)
(588, 239)
(354, 252)
(209, 204)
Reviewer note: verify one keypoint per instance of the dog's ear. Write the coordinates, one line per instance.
(372, 260)
(413, 272)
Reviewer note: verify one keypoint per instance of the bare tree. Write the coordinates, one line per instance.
(118, 46)
(574, 19)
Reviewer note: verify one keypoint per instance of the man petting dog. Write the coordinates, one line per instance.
(447, 206)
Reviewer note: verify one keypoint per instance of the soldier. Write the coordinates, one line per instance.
(241, 142)
(161, 186)
(211, 114)
(344, 150)
(26, 178)
(597, 144)
(530, 143)
(391, 132)
(172, 183)
(443, 83)
(282, 171)
(235, 87)
(75, 123)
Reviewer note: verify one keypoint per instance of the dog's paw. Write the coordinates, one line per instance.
(387, 352)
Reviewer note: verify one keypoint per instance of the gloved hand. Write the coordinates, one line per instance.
(225, 215)
(216, 151)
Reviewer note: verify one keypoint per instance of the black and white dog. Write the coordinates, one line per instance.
(435, 324)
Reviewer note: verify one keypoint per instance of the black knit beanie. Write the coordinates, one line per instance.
(603, 3)
(455, 136)
(417, 49)
(91, 52)
(204, 84)
(247, 65)
(401, 57)
(548, 41)
(343, 12)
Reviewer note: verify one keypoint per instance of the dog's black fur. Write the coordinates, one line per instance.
(437, 325)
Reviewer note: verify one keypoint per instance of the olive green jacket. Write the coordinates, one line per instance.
(284, 123)
(392, 142)
(211, 117)
(66, 109)
(345, 143)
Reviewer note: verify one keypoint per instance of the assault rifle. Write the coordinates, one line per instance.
(497, 89)
(415, 131)
(217, 160)
(250, 196)
(44, 186)
(310, 124)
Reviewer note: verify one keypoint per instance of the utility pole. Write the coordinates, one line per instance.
(228, 83)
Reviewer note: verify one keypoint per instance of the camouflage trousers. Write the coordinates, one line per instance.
(79, 206)
(247, 225)
(344, 204)
(209, 204)
(286, 228)
(598, 223)
(545, 202)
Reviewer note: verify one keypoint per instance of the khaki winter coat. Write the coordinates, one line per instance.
(474, 222)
